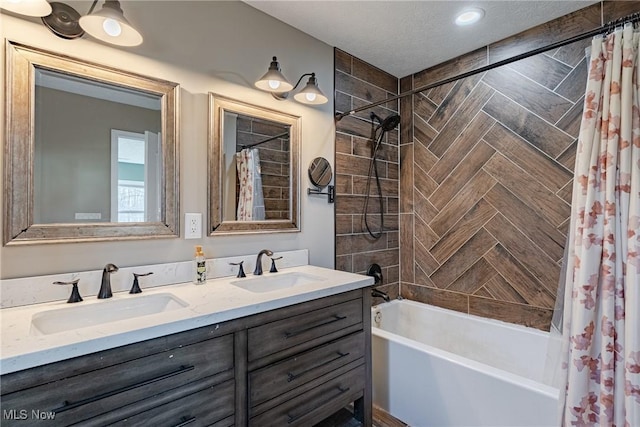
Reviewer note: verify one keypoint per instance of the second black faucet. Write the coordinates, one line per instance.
(258, 269)
(105, 286)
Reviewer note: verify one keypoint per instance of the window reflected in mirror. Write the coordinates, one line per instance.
(135, 176)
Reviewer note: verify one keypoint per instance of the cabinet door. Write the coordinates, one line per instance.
(316, 404)
(278, 378)
(212, 405)
(88, 395)
(311, 328)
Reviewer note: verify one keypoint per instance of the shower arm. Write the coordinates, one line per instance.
(635, 17)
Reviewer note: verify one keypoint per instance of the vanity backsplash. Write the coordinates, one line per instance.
(39, 289)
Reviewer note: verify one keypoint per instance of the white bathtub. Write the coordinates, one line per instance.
(437, 367)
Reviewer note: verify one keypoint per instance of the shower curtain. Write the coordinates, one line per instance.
(250, 198)
(601, 318)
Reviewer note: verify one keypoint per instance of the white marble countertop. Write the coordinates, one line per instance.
(214, 302)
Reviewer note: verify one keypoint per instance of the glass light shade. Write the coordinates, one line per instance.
(27, 7)
(273, 80)
(110, 25)
(311, 94)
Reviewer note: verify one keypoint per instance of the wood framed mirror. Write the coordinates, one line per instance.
(91, 152)
(253, 168)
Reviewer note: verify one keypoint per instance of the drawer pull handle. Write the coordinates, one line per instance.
(291, 376)
(334, 319)
(68, 405)
(186, 421)
(341, 391)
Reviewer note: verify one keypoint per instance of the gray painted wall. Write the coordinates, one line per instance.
(219, 47)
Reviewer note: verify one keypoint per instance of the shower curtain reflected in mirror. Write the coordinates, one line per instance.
(600, 357)
(250, 197)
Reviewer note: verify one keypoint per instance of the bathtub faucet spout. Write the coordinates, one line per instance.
(377, 293)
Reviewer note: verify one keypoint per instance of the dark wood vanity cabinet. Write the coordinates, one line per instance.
(291, 366)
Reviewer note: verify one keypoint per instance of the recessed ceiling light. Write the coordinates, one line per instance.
(469, 16)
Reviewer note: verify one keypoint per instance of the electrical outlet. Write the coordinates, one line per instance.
(192, 225)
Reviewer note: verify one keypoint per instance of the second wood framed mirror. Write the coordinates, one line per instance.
(253, 168)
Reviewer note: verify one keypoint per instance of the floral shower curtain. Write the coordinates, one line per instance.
(601, 330)
(250, 197)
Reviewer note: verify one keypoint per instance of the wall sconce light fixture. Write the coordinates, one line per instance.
(108, 24)
(275, 82)
(27, 7)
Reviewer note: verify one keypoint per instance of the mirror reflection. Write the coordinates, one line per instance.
(255, 151)
(257, 167)
(320, 172)
(97, 151)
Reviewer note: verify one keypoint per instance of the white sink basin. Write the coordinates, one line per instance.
(81, 316)
(276, 281)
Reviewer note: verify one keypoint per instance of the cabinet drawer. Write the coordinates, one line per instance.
(317, 403)
(273, 380)
(84, 396)
(292, 331)
(208, 406)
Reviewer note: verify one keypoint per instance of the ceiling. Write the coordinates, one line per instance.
(404, 37)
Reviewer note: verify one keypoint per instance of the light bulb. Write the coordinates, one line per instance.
(112, 27)
(310, 96)
(274, 84)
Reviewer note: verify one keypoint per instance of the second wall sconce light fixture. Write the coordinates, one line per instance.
(108, 24)
(275, 82)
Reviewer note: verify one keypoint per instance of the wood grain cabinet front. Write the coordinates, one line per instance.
(306, 329)
(116, 391)
(211, 406)
(309, 362)
(315, 403)
(295, 365)
(278, 378)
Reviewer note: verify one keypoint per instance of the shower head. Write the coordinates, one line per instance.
(387, 124)
(390, 122)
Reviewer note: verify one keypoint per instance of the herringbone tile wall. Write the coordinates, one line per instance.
(486, 178)
(484, 167)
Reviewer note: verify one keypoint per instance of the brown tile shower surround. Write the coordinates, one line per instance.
(486, 167)
(356, 84)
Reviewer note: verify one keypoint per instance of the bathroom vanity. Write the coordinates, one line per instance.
(292, 356)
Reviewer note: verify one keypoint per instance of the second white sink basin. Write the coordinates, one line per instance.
(275, 282)
(81, 316)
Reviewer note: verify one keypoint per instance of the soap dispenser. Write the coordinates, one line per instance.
(201, 267)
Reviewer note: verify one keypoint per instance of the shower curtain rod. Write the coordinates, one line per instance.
(280, 135)
(634, 17)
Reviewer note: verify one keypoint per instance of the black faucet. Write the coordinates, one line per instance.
(378, 293)
(105, 286)
(258, 270)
